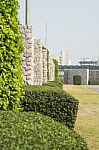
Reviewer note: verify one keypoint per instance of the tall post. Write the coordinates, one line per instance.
(27, 13)
(46, 34)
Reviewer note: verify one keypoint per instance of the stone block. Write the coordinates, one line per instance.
(23, 58)
(28, 63)
(28, 68)
(29, 36)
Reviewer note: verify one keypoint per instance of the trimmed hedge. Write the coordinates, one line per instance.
(33, 131)
(93, 82)
(54, 84)
(56, 104)
(77, 80)
(56, 69)
(11, 46)
(41, 88)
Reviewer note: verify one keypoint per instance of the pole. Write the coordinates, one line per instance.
(27, 13)
(46, 34)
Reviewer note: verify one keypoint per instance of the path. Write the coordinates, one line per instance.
(94, 87)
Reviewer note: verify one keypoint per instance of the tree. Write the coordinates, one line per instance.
(11, 47)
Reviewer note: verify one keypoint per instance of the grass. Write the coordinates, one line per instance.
(87, 123)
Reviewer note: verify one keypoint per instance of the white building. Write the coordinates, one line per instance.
(63, 58)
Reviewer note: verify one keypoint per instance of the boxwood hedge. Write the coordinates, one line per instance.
(56, 104)
(93, 82)
(56, 69)
(33, 131)
(54, 84)
(11, 46)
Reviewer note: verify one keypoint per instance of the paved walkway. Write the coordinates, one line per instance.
(94, 87)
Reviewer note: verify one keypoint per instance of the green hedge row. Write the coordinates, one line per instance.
(33, 131)
(56, 104)
(56, 69)
(51, 85)
(54, 84)
(11, 46)
(93, 82)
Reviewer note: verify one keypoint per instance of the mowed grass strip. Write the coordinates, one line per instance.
(87, 123)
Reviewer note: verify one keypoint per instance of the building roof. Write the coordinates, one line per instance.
(88, 62)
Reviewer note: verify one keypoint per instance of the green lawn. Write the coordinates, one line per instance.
(87, 123)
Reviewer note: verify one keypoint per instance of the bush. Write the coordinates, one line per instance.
(56, 69)
(55, 84)
(45, 87)
(54, 103)
(33, 131)
(93, 82)
(11, 46)
(77, 80)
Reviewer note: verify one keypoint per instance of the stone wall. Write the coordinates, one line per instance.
(38, 64)
(28, 54)
(69, 73)
(44, 63)
(34, 59)
(51, 69)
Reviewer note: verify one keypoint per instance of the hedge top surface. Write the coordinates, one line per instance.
(50, 86)
(22, 130)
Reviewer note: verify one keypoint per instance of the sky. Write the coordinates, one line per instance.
(72, 26)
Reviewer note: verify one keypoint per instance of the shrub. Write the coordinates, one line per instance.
(54, 103)
(33, 131)
(77, 80)
(10, 49)
(45, 87)
(93, 82)
(54, 84)
(56, 69)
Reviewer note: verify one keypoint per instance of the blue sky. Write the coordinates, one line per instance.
(72, 25)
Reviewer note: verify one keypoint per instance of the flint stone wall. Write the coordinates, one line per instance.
(28, 54)
(38, 65)
(44, 63)
(34, 59)
(51, 69)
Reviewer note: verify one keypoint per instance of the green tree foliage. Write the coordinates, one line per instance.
(77, 80)
(56, 69)
(10, 49)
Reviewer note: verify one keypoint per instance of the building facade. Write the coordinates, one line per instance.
(63, 58)
(87, 73)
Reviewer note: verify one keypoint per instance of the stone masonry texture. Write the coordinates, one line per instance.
(34, 59)
(28, 54)
(38, 66)
(44, 63)
(51, 69)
